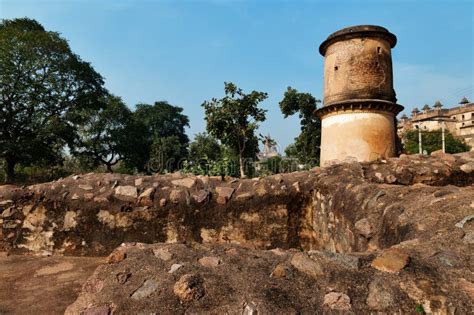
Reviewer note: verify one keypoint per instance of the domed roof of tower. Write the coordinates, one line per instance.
(438, 104)
(358, 31)
(404, 116)
(464, 100)
(426, 107)
(415, 110)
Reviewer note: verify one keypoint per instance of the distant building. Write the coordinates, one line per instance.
(269, 149)
(458, 120)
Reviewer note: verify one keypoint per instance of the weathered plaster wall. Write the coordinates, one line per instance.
(365, 136)
(358, 68)
(359, 100)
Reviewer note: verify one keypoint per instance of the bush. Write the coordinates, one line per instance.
(431, 141)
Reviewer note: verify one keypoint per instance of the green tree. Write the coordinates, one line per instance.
(155, 126)
(432, 141)
(166, 154)
(234, 119)
(44, 89)
(307, 145)
(291, 151)
(104, 138)
(204, 147)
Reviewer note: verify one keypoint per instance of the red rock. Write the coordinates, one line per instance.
(146, 197)
(189, 287)
(391, 260)
(364, 228)
(116, 257)
(162, 202)
(305, 264)
(209, 261)
(337, 301)
(224, 194)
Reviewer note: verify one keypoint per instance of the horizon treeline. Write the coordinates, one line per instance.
(57, 118)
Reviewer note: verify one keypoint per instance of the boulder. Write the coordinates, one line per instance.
(391, 260)
(201, 196)
(303, 263)
(210, 261)
(224, 194)
(364, 228)
(467, 168)
(189, 287)
(146, 197)
(337, 301)
(184, 182)
(381, 296)
(145, 290)
(126, 193)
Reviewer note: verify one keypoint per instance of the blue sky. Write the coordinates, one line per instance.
(183, 51)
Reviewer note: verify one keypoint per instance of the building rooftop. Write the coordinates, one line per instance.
(441, 113)
(464, 100)
(437, 104)
(358, 31)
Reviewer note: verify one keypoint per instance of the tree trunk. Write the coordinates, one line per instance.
(109, 168)
(9, 170)
(242, 166)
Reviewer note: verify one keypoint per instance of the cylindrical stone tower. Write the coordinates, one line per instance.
(359, 108)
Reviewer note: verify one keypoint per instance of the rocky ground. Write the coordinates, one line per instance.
(228, 279)
(389, 236)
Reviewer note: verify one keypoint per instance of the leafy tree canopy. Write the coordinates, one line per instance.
(167, 154)
(44, 90)
(204, 147)
(154, 126)
(104, 138)
(306, 146)
(163, 120)
(234, 119)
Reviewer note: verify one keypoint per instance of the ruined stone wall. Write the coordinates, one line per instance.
(342, 208)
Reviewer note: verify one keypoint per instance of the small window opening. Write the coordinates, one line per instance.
(379, 50)
(376, 64)
(336, 68)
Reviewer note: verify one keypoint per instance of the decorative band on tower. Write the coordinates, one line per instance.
(359, 108)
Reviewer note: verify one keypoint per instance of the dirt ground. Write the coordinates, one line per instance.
(42, 285)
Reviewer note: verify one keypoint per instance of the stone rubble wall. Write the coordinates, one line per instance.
(341, 208)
